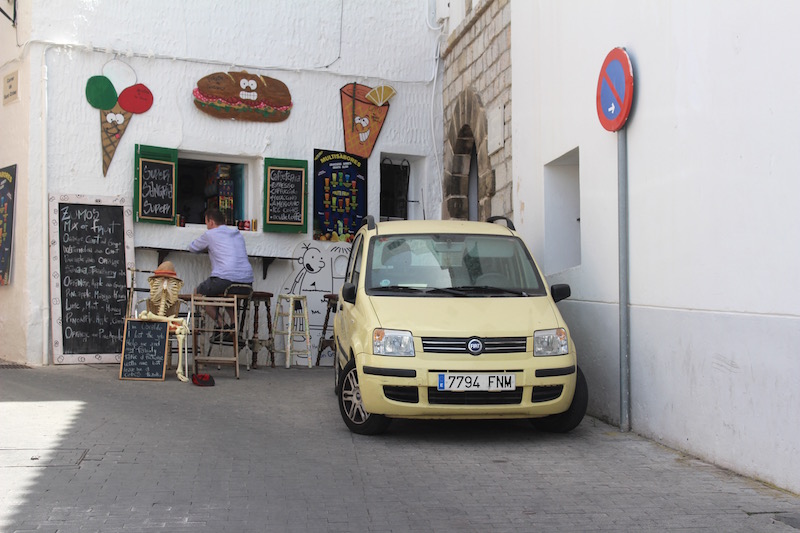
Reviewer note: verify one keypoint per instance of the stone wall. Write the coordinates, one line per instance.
(477, 86)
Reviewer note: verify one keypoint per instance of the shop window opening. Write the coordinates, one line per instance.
(206, 184)
(394, 189)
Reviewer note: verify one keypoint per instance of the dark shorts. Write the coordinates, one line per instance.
(213, 286)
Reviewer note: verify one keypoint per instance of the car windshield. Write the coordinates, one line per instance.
(454, 265)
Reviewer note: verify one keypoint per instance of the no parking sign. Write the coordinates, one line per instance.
(615, 90)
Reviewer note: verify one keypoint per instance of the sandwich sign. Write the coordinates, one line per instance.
(615, 90)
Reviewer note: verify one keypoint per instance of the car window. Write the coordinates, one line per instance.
(355, 255)
(451, 261)
(356, 275)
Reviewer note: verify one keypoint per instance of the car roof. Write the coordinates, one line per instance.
(396, 227)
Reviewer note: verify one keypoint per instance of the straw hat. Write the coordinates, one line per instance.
(164, 270)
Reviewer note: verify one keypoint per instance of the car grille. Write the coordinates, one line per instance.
(437, 397)
(546, 393)
(401, 394)
(459, 344)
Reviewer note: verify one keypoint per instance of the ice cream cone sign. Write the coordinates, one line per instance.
(364, 110)
(118, 97)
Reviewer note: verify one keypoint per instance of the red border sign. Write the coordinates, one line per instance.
(615, 90)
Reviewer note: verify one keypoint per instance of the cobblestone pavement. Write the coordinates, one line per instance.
(82, 451)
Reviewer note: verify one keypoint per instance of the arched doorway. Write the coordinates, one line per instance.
(469, 181)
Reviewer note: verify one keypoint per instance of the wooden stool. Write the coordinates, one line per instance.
(255, 343)
(333, 301)
(295, 322)
(203, 325)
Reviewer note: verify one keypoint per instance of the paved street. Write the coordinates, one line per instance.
(82, 451)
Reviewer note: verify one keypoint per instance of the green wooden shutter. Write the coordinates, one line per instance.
(154, 153)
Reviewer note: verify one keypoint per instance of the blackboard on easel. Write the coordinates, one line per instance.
(285, 191)
(144, 350)
(91, 247)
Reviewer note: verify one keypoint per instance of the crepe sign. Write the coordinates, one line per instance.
(364, 110)
(118, 97)
(243, 96)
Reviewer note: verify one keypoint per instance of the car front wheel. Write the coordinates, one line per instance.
(357, 418)
(569, 419)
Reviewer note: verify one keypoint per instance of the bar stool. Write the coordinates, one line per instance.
(234, 303)
(295, 322)
(255, 343)
(332, 300)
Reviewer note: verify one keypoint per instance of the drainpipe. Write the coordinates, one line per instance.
(624, 293)
(45, 222)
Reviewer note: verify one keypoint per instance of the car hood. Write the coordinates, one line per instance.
(464, 317)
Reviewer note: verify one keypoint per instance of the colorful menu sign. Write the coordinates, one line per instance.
(340, 195)
(8, 178)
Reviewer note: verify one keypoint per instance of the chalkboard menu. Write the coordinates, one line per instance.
(8, 178)
(285, 191)
(144, 350)
(91, 245)
(156, 193)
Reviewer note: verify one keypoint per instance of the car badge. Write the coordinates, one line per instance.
(475, 346)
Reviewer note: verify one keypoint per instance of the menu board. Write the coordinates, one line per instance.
(340, 195)
(144, 350)
(285, 189)
(91, 246)
(156, 194)
(8, 178)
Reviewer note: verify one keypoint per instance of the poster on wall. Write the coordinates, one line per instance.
(340, 195)
(8, 178)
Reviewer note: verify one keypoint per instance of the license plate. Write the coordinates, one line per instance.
(458, 382)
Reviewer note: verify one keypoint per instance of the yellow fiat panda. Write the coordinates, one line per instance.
(452, 319)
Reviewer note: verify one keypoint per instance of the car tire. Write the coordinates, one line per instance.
(569, 419)
(351, 407)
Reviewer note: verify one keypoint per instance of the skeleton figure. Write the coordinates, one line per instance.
(163, 306)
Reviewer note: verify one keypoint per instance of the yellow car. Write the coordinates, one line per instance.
(452, 319)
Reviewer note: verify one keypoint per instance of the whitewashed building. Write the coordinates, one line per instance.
(52, 129)
(712, 166)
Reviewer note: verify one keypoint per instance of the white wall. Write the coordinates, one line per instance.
(714, 218)
(313, 47)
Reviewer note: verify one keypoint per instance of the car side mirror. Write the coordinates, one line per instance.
(560, 291)
(349, 293)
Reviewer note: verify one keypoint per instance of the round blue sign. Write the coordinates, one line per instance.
(615, 90)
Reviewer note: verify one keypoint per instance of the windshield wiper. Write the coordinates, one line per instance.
(397, 288)
(488, 288)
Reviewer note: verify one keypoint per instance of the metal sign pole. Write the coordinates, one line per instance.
(624, 296)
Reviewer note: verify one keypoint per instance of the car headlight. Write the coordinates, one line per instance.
(550, 342)
(392, 342)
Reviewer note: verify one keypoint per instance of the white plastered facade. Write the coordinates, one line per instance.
(52, 133)
(713, 214)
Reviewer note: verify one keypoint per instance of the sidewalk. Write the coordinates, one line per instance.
(82, 451)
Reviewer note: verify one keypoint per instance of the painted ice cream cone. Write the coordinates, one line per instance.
(113, 123)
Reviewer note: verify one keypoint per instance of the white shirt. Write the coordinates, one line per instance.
(227, 252)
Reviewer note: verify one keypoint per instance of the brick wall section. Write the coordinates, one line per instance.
(477, 79)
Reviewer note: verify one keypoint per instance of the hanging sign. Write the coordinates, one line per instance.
(615, 90)
(285, 185)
